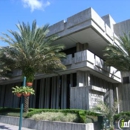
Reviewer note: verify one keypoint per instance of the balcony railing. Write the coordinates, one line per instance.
(93, 62)
(90, 60)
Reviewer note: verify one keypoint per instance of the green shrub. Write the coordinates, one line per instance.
(81, 114)
(124, 115)
(88, 120)
(4, 110)
(56, 116)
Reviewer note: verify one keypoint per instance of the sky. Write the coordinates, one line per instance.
(53, 11)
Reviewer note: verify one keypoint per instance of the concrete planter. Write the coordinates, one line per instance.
(46, 125)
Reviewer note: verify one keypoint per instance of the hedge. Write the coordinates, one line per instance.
(80, 113)
(125, 115)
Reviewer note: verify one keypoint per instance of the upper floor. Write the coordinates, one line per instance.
(85, 27)
(85, 36)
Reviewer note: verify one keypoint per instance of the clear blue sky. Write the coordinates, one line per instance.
(52, 11)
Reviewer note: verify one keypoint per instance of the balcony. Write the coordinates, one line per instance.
(85, 27)
(86, 60)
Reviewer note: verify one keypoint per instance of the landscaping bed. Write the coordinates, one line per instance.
(46, 125)
(63, 115)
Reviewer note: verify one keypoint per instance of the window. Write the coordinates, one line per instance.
(126, 80)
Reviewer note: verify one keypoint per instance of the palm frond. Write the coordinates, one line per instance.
(30, 47)
(119, 55)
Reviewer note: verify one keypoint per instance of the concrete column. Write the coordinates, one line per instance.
(53, 93)
(85, 46)
(111, 100)
(80, 79)
(57, 92)
(63, 91)
(41, 95)
(83, 78)
(87, 78)
(71, 80)
(117, 95)
(78, 47)
(47, 92)
(81, 47)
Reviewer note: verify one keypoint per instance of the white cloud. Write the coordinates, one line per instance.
(35, 4)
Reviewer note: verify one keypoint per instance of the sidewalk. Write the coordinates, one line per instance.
(11, 127)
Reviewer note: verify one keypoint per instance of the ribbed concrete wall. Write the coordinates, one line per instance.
(124, 93)
(7, 99)
(46, 125)
(122, 27)
(124, 89)
(79, 98)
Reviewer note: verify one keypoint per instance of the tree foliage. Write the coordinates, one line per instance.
(4, 71)
(31, 51)
(119, 55)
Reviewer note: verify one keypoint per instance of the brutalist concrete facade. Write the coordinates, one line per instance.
(87, 79)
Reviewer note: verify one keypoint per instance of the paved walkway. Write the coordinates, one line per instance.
(4, 126)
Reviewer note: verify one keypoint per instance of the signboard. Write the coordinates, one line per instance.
(95, 98)
(99, 89)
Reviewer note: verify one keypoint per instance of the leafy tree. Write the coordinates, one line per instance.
(118, 56)
(107, 112)
(31, 51)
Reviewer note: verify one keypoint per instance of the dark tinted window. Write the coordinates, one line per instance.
(126, 80)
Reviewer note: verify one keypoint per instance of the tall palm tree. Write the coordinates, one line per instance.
(118, 56)
(3, 70)
(31, 51)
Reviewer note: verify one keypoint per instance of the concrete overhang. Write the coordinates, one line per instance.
(84, 27)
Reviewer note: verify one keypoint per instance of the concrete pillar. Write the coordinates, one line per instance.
(111, 100)
(78, 47)
(63, 91)
(80, 79)
(71, 80)
(83, 78)
(57, 91)
(81, 47)
(47, 93)
(85, 46)
(117, 95)
(41, 95)
(53, 93)
(87, 78)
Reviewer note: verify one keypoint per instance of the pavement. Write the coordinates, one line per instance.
(4, 126)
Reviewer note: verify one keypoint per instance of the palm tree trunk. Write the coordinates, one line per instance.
(26, 104)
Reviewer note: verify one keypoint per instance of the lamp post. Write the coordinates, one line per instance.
(21, 106)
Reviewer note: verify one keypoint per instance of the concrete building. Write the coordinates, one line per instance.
(87, 79)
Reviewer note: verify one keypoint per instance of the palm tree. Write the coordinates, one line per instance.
(118, 56)
(3, 71)
(31, 51)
